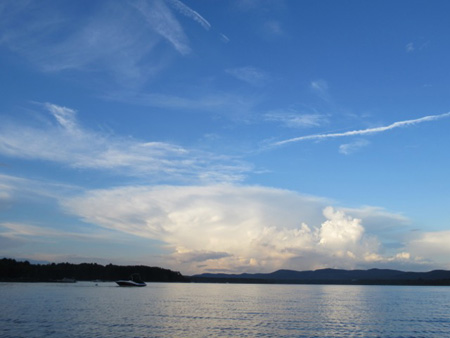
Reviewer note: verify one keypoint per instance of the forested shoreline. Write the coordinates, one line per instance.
(23, 271)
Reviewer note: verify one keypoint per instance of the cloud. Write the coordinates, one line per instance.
(293, 119)
(185, 10)
(5, 194)
(68, 143)
(320, 87)
(190, 257)
(273, 28)
(14, 230)
(235, 228)
(161, 19)
(368, 131)
(249, 75)
(413, 47)
(233, 106)
(104, 40)
(14, 189)
(350, 148)
(66, 117)
(224, 38)
(124, 40)
(431, 244)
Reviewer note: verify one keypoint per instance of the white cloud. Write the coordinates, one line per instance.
(339, 230)
(250, 75)
(15, 230)
(224, 38)
(293, 119)
(273, 28)
(350, 148)
(185, 10)
(70, 144)
(5, 194)
(234, 106)
(368, 131)
(120, 39)
(234, 228)
(17, 188)
(160, 18)
(66, 117)
(410, 47)
(431, 244)
(413, 47)
(319, 85)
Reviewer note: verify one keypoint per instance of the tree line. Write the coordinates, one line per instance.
(24, 271)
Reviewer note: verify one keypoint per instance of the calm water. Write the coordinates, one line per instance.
(222, 310)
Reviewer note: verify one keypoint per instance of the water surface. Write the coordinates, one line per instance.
(87, 309)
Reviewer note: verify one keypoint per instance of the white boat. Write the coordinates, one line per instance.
(134, 281)
(129, 283)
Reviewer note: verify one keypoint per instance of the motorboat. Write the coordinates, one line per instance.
(129, 283)
(135, 280)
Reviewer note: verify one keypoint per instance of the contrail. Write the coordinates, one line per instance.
(364, 131)
(185, 10)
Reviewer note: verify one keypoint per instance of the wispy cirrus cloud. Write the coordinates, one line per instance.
(320, 87)
(293, 119)
(350, 148)
(232, 105)
(15, 188)
(410, 47)
(368, 131)
(67, 142)
(122, 39)
(161, 20)
(414, 47)
(250, 75)
(189, 12)
(273, 28)
(31, 231)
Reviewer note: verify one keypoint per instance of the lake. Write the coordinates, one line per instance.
(88, 309)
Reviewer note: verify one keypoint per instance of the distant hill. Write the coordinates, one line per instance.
(332, 276)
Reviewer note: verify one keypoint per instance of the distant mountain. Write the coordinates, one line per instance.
(332, 276)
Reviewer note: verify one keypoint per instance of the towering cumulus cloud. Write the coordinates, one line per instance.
(232, 228)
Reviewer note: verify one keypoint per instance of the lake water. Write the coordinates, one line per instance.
(85, 309)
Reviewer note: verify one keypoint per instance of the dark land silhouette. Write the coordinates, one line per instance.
(332, 276)
(23, 271)
(17, 271)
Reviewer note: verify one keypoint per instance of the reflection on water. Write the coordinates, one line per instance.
(222, 310)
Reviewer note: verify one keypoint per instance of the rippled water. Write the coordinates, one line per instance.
(85, 309)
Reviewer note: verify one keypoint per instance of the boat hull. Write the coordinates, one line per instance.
(130, 283)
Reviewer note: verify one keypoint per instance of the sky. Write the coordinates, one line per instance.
(226, 136)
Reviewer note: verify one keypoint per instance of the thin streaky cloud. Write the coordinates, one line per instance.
(320, 88)
(250, 75)
(67, 142)
(350, 148)
(161, 19)
(364, 131)
(224, 38)
(290, 118)
(190, 13)
(23, 230)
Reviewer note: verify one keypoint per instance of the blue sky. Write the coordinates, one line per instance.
(226, 136)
